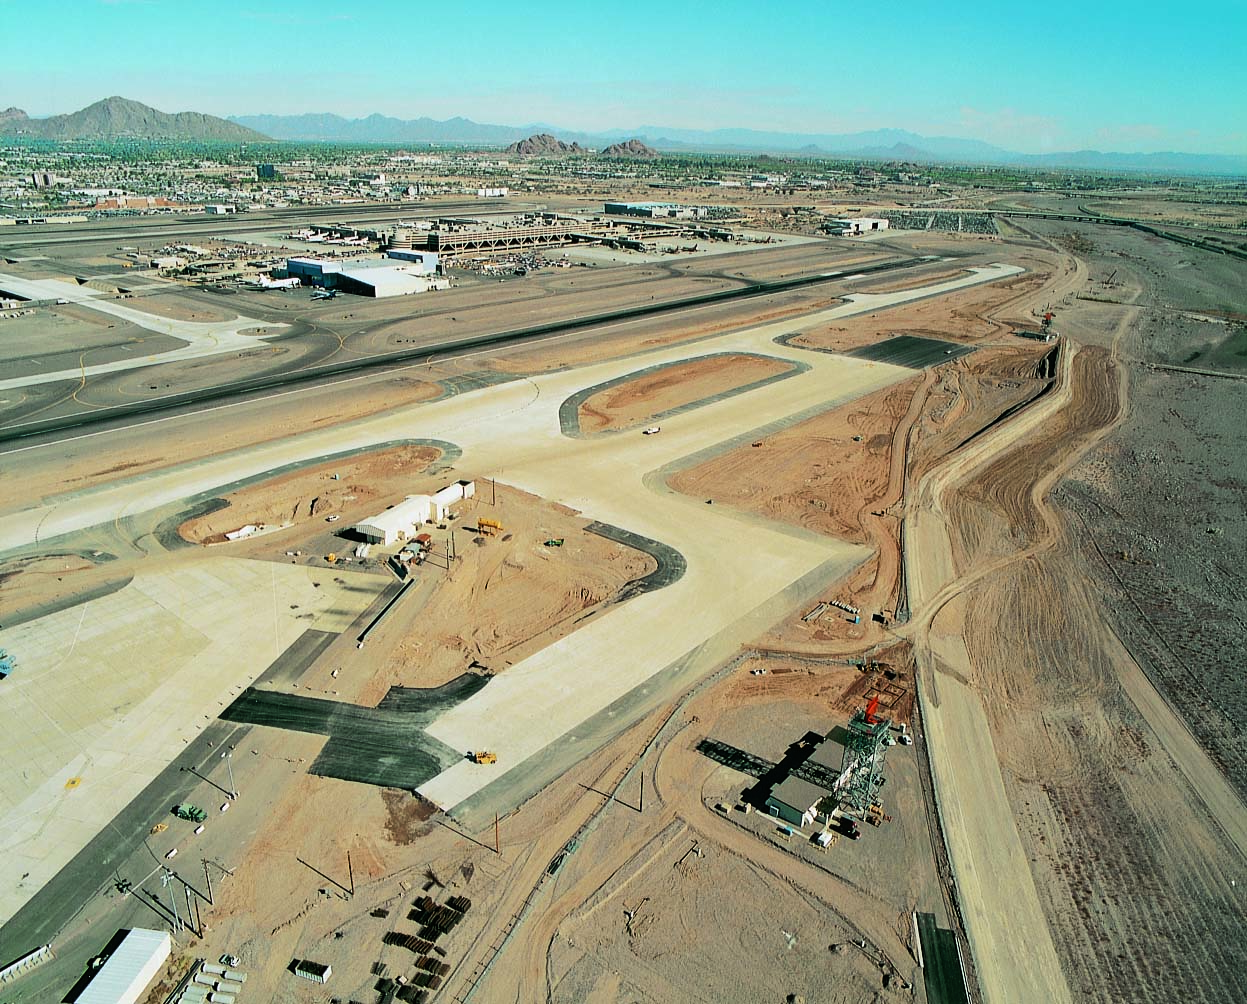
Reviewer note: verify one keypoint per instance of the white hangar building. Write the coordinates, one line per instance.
(134, 963)
(403, 520)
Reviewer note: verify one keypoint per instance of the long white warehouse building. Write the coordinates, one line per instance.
(135, 962)
(402, 521)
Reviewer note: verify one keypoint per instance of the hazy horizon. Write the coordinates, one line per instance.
(1061, 77)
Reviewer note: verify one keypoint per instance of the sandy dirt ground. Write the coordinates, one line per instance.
(522, 594)
(971, 316)
(347, 488)
(163, 443)
(820, 474)
(838, 474)
(290, 500)
(1137, 901)
(715, 322)
(178, 308)
(636, 401)
(780, 918)
(593, 899)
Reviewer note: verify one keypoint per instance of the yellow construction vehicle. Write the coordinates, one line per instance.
(483, 757)
(488, 527)
(159, 828)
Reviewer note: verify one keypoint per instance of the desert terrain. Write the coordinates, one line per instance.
(868, 492)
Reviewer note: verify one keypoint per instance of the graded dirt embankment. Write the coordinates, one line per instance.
(1006, 488)
(315, 492)
(638, 400)
(972, 395)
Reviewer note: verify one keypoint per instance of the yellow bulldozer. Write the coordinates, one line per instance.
(484, 757)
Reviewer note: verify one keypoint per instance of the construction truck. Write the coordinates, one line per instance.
(488, 527)
(191, 813)
(484, 757)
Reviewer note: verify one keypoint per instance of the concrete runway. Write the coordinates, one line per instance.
(737, 564)
(202, 338)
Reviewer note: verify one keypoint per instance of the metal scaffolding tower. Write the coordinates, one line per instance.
(861, 770)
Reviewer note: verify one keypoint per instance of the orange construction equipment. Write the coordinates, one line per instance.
(871, 708)
(488, 527)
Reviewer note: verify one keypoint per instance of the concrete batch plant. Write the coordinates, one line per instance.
(401, 521)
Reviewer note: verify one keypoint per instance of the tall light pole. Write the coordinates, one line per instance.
(228, 757)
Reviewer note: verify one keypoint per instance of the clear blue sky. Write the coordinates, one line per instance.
(1034, 77)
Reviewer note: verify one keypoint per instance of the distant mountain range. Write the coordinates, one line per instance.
(120, 118)
(877, 144)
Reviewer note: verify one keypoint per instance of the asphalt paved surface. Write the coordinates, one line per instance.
(913, 351)
(385, 745)
(945, 983)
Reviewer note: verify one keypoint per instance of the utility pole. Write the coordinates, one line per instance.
(497, 845)
(166, 880)
(228, 757)
(493, 491)
(190, 908)
(350, 872)
(641, 803)
(208, 879)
